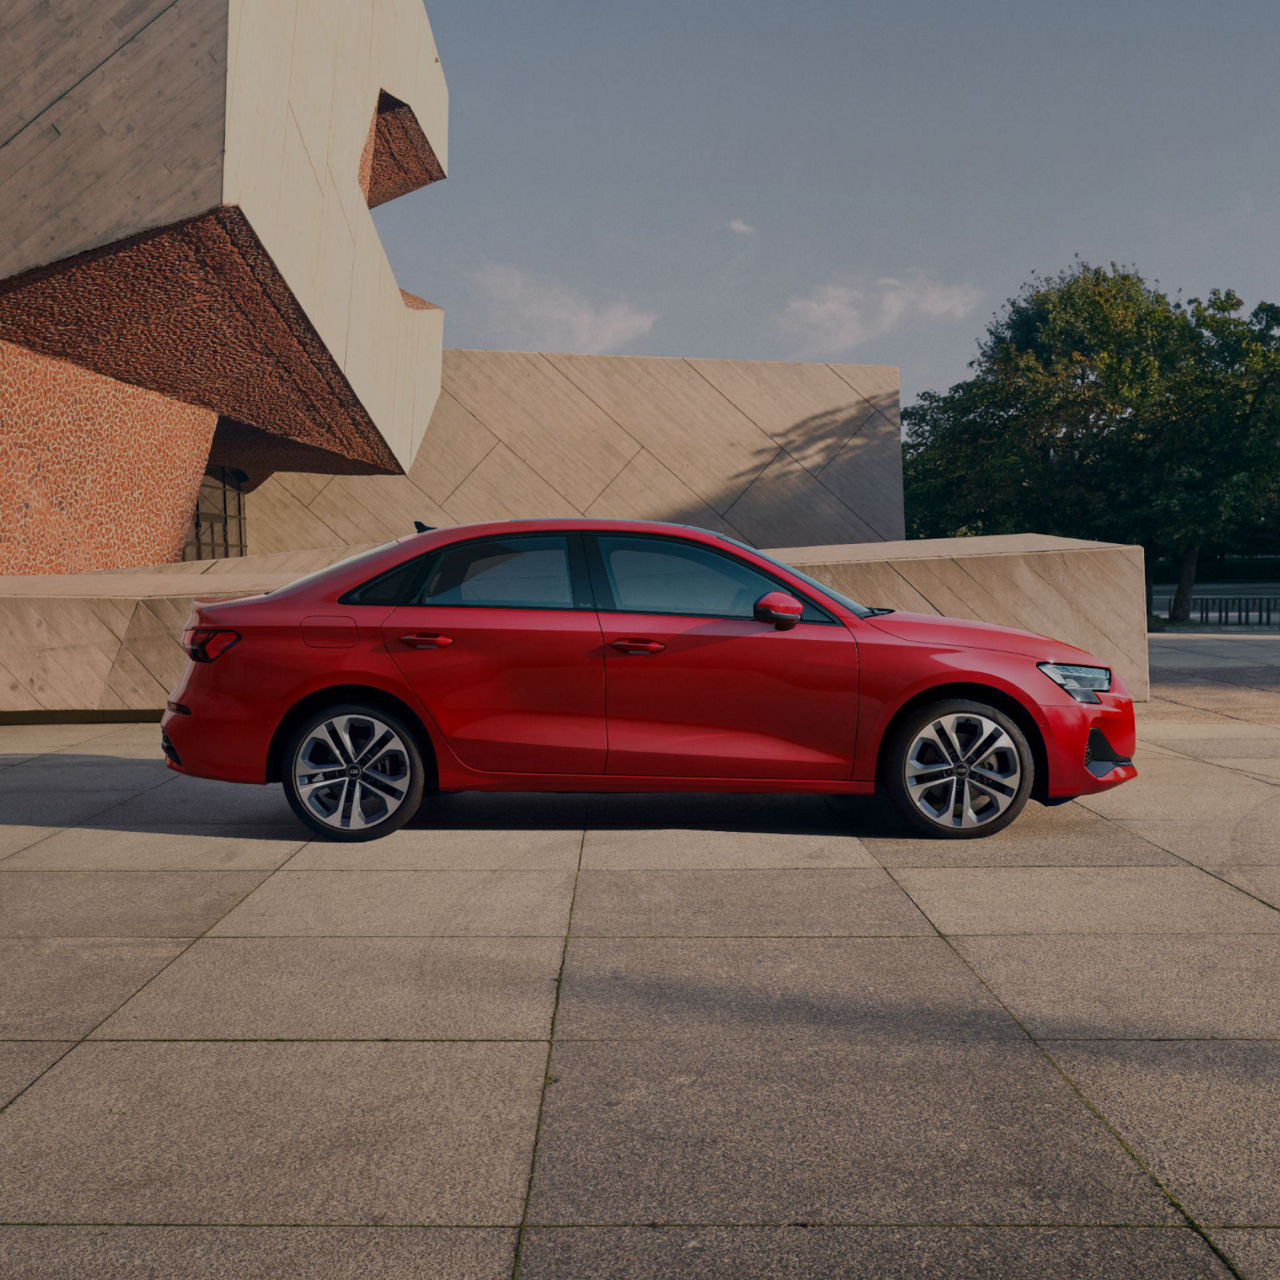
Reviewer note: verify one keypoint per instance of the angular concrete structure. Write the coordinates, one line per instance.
(765, 451)
(185, 187)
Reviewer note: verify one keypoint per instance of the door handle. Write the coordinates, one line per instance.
(637, 646)
(425, 640)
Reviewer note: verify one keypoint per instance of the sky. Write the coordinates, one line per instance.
(863, 182)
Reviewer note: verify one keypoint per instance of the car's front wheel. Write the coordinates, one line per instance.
(958, 769)
(353, 772)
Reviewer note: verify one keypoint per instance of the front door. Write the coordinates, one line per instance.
(697, 687)
(502, 645)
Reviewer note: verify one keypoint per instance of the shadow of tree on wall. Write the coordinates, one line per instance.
(830, 477)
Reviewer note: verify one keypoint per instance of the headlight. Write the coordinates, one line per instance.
(1082, 683)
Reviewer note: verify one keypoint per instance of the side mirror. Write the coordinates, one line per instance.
(779, 609)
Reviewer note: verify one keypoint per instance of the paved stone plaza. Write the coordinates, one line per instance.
(711, 1037)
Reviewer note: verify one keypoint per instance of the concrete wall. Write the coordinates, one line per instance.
(111, 122)
(108, 642)
(767, 452)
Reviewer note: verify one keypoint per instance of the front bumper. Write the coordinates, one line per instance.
(1089, 745)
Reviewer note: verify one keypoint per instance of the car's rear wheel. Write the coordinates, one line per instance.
(958, 769)
(353, 772)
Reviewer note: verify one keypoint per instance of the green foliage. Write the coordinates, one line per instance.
(1099, 408)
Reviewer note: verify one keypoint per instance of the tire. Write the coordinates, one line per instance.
(924, 750)
(338, 804)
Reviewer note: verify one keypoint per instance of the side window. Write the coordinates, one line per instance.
(651, 575)
(521, 572)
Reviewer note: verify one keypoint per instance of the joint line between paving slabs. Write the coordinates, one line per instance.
(1075, 1088)
(1207, 871)
(190, 943)
(84, 1039)
(546, 1071)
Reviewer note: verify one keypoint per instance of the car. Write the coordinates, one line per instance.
(608, 655)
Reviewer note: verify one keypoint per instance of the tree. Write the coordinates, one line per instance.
(1100, 408)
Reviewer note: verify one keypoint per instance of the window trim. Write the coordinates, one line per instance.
(605, 602)
(579, 578)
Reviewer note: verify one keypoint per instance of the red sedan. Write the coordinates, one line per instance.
(599, 655)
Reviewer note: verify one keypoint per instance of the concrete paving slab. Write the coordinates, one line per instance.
(1239, 702)
(1147, 750)
(1213, 648)
(199, 800)
(1190, 789)
(710, 849)
(832, 991)
(888, 1253)
(1219, 748)
(884, 1131)
(1065, 836)
(1255, 1253)
(54, 807)
(362, 1133)
(13, 839)
(451, 849)
(37, 739)
(82, 773)
(500, 811)
(118, 904)
(766, 813)
(1198, 739)
(1200, 1114)
(1251, 841)
(349, 988)
(1265, 766)
(123, 741)
(61, 988)
(21, 1061)
(1087, 987)
(1083, 900)
(817, 903)
(1262, 882)
(1160, 710)
(191, 848)
(255, 1253)
(352, 904)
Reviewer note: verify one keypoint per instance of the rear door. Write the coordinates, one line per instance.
(698, 688)
(502, 644)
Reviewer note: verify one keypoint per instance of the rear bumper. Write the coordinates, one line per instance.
(227, 745)
(1090, 745)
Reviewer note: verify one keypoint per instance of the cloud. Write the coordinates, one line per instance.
(836, 317)
(741, 228)
(537, 314)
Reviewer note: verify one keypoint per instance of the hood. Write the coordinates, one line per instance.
(961, 633)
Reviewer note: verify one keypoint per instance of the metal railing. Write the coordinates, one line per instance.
(1228, 611)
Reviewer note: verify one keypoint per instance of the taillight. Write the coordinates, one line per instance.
(203, 644)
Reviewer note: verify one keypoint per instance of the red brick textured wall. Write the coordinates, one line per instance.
(94, 473)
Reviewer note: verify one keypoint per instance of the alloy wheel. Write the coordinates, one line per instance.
(962, 770)
(352, 772)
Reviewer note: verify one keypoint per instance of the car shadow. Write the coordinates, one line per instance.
(113, 793)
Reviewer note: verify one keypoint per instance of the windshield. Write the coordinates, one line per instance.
(820, 587)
